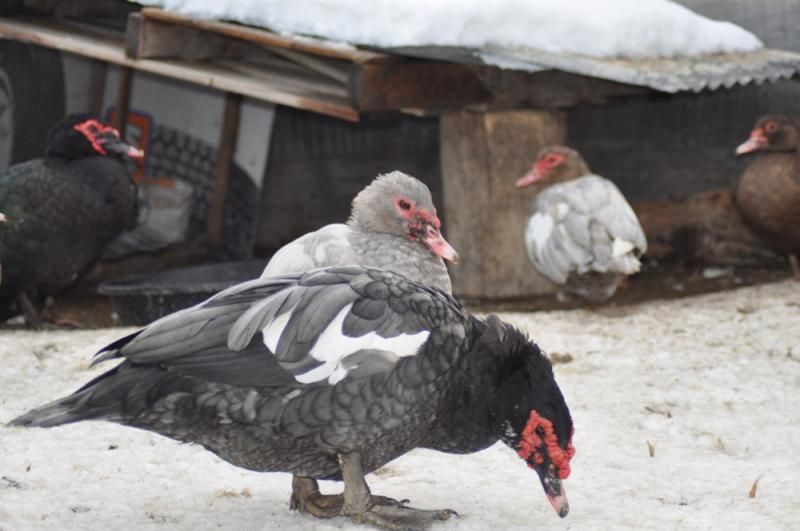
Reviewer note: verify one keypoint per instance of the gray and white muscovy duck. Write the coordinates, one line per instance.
(768, 192)
(61, 211)
(582, 234)
(393, 225)
(331, 374)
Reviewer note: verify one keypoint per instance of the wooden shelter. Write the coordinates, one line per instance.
(490, 120)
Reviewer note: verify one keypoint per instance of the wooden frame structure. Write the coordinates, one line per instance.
(487, 138)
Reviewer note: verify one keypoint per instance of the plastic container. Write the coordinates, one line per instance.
(140, 299)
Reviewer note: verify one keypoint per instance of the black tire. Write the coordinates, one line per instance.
(173, 153)
(32, 85)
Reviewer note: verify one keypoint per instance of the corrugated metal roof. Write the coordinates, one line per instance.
(666, 75)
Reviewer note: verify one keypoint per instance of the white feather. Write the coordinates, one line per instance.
(539, 228)
(333, 345)
(272, 332)
(621, 247)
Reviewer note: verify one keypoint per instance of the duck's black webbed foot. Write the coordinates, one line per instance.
(306, 498)
(358, 503)
(385, 513)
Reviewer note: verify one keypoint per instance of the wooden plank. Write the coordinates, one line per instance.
(551, 89)
(222, 172)
(123, 100)
(703, 228)
(204, 74)
(482, 154)
(260, 36)
(150, 39)
(299, 81)
(381, 86)
(464, 158)
(335, 72)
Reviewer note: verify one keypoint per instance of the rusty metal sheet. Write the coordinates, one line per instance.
(696, 73)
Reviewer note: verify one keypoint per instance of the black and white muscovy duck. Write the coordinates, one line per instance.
(393, 225)
(61, 211)
(768, 192)
(582, 234)
(331, 374)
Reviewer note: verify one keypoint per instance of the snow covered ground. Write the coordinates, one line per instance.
(602, 28)
(711, 382)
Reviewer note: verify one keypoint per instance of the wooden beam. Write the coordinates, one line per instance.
(339, 73)
(222, 172)
(309, 45)
(416, 84)
(150, 39)
(482, 154)
(551, 89)
(204, 74)
(123, 99)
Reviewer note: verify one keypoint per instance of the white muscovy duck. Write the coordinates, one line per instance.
(582, 234)
(331, 374)
(393, 225)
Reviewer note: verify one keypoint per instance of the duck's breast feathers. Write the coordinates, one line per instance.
(321, 326)
(582, 225)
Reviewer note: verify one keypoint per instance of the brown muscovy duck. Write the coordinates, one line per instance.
(582, 234)
(393, 225)
(768, 192)
(331, 374)
(61, 211)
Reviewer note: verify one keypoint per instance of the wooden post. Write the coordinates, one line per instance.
(97, 86)
(123, 99)
(222, 172)
(482, 154)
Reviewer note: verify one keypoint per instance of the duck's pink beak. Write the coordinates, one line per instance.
(434, 240)
(536, 174)
(757, 140)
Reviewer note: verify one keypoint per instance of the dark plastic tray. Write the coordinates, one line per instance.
(140, 299)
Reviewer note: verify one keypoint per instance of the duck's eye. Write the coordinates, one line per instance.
(770, 127)
(403, 204)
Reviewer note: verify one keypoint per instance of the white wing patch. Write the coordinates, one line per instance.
(539, 228)
(272, 332)
(562, 209)
(332, 346)
(621, 247)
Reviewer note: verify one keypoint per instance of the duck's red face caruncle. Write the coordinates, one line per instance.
(538, 446)
(424, 225)
(106, 140)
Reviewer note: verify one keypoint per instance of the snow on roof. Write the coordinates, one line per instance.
(599, 28)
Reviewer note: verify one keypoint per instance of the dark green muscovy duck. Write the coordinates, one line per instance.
(61, 211)
(331, 374)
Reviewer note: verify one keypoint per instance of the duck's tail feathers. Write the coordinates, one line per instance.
(107, 397)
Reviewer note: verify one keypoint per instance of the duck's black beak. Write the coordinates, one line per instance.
(555, 493)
